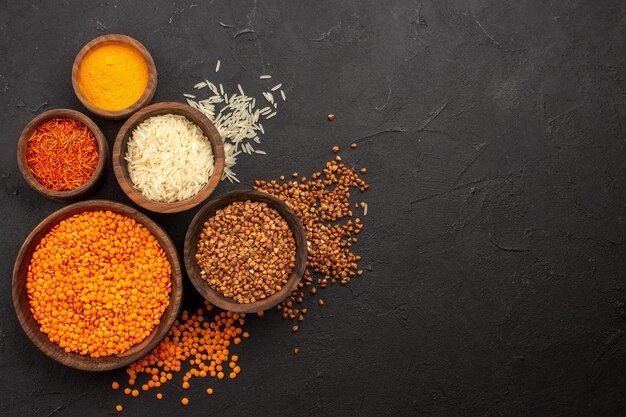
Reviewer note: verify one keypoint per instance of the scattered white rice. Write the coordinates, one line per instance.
(217, 66)
(236, 117)
(169, 158)
(365, 210)
(189, 95)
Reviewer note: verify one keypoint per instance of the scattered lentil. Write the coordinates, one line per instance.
(353, 145)
(195, 340)
(335, 148)
(119, 408)
(331, 117)
(184, 401)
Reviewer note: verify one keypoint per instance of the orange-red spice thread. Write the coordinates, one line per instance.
(62, 154)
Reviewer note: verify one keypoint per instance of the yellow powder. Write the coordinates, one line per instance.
(113, 76)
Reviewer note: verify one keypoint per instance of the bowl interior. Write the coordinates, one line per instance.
(148, 93)
(30, 128)
(75, 360)
(120, 165)
(193, 235)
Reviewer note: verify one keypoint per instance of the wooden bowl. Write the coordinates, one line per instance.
(147, 94)
(193, 235)
(75, 360)
(22, 144)
(120, 165)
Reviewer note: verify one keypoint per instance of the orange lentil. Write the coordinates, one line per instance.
(184, 401)
(115, 385)
(135, 393)
(81, 276)
(209, 391)
(127, 391)
(119, 408)
(194, 339)
(159, 396)
(232, 375)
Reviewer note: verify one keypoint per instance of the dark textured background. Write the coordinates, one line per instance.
(496, 239)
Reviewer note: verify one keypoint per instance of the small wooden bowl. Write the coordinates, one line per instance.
(75, 360)
(191, 244)
(22, 144)
(147, 94)
(120, 165)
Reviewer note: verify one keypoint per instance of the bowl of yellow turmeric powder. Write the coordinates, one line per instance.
(114, 76)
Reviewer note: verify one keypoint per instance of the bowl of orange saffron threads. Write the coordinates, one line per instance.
(62, 154)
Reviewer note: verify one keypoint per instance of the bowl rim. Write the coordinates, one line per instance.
(61, 113)
(31, 327)
(191, 241)
(197, 117)
(148, 93)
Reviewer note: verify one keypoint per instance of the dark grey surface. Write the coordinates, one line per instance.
(496, 236)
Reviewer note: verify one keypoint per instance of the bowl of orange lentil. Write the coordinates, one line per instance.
(97, 285)
(62, 154)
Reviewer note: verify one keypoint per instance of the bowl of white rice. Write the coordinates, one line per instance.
(168, 157)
